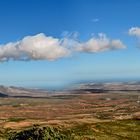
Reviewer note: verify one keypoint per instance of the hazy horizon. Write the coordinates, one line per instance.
(52, 43)
(66, 86)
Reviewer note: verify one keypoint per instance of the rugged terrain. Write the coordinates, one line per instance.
(86, 114)
(11, 91)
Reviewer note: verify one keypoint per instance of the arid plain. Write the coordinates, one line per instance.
(106, 114)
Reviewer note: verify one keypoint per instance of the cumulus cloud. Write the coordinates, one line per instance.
(99, 44)
(42, 47)
(34, 48)
(134, 31)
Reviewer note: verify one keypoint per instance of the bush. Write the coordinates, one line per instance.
(37, 133)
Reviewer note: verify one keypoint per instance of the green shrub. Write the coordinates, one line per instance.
(16, 119)
(37, 133)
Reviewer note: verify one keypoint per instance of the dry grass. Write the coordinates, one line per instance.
(67, 108)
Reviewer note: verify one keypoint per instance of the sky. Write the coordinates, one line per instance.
(53, 43)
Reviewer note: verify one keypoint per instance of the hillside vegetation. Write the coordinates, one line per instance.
(112, 130)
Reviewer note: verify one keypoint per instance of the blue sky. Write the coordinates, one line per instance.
(21, 18)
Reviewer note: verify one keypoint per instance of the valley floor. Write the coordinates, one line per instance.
(104, 116)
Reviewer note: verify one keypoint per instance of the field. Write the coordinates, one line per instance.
(99, 116)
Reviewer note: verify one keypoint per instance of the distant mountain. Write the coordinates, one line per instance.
(21, 92)
(3, 95)
(106, 87)
(11, 91)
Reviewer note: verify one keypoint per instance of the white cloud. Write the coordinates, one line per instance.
(99, 44)
(117, 44)
(95, 20)
(134, 31)
(34, 48)
(42, 47)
